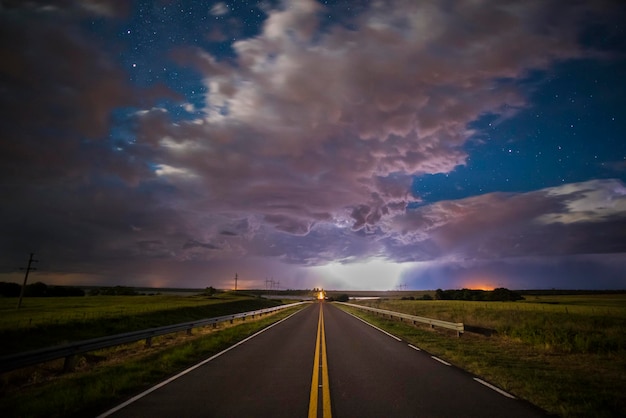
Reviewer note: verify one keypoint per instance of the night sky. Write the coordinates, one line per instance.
(342, 144)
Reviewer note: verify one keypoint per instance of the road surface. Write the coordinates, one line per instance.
(323, 362)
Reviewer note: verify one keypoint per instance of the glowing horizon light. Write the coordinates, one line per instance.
(481, 287)
(372, 274)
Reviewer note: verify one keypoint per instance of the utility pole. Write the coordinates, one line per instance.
(236, 282)
(28, 269)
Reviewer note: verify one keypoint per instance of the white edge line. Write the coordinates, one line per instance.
(490, 386)
(184, 372)
(375, 327)
(414, 348)
(441, 361)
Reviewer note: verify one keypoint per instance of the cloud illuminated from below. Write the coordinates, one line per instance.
(372, 274)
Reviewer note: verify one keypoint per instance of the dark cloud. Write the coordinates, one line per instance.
(59, 87)
(583, 218)
(89, 8)
(599, 271)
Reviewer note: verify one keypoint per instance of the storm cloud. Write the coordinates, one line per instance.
(301, 150)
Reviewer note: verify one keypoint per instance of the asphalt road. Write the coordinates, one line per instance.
(321, 364)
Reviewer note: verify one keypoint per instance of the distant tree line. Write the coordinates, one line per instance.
(38, 290)
(113, 291)
(425, 296)
(500, 294)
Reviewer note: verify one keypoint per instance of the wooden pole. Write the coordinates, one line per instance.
(28, 269)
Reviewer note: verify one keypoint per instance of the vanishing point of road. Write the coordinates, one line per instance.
(324, 362)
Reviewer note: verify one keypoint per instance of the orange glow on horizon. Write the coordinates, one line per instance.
(479, 286)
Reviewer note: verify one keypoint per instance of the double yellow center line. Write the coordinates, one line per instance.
(320, 365)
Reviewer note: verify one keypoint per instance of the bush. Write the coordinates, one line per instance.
(9, 290)
(210, 291)
(342, 298)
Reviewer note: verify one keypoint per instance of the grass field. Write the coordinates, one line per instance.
(105, 377)
(572, 324)
(48, 311)
(566, 354)
(44, 322)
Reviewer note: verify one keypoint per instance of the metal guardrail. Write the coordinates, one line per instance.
(69, 351)
(456, 326)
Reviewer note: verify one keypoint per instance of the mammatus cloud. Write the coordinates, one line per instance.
(312, 126)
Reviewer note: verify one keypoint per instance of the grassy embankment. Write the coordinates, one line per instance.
(44, 322)
(566, 354)
(105, 377)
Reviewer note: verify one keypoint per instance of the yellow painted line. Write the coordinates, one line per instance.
(326, 413)
(315, 385)
(316, 371)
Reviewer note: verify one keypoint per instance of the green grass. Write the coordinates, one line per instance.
(45, 322)
(51, 311)
(88, 392)
(566, 354)
(570, 324)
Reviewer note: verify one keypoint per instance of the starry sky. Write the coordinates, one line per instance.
(343, 144)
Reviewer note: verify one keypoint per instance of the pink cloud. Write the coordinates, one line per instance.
(304, 124)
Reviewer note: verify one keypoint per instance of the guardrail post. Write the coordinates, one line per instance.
(148, 343)
(69, 364)
(189, 331)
